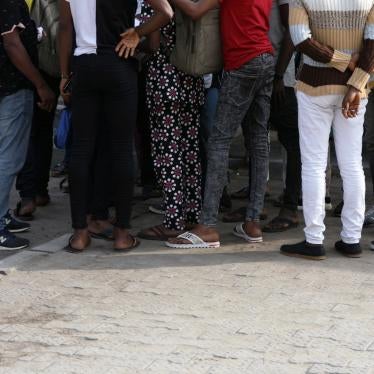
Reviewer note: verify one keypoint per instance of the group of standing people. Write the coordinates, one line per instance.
(97, 42)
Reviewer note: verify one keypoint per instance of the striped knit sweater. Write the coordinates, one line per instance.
(327, 32)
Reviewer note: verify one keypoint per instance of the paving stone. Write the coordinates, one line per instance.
(238, 309)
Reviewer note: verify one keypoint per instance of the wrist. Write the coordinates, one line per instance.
(354, 89)
(139, 32)
(65, 75)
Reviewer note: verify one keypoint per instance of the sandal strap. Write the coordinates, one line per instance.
(158, 230)
(191, 237)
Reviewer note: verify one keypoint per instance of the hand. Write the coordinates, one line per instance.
(279, 93)
(351, 103)
(130, 39)
(47, 98)
(354, 60)
(65, 96)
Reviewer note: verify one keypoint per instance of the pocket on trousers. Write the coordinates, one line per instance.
(237, 89)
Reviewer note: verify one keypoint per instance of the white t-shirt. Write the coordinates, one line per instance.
(98, 24)
(276, 35)
(138, 12)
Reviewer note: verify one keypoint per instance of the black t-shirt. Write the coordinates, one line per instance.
(14, 14)
(99, 23)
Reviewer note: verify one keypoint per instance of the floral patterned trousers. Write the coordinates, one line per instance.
(175, 151)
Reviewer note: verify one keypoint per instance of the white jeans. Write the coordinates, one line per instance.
(317, 115)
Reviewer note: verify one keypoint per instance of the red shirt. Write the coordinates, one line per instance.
(244, 30)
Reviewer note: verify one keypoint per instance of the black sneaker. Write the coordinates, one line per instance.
(9, 242)
(349, 250)
(305, 250)
(12, 225)
(372, 245)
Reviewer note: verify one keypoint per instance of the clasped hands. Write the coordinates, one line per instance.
(352, 99)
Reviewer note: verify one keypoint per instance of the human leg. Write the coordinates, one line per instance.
(15, 124)
(120, 112)
(85, 114)
(348, 144)
(315, 120)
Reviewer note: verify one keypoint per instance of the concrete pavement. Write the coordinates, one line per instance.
(240, 309)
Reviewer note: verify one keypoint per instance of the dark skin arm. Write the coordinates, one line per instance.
(195, 9)
(285, 55)
(130, 39)
(65, 42)
(19, 57)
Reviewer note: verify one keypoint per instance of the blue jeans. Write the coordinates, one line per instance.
(245, 94)
(15, 124)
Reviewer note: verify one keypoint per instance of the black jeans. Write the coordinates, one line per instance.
(285, 121)
(104, 90)
(33, 179)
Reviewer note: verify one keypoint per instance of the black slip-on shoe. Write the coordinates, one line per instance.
(349, 250)
(305, 250)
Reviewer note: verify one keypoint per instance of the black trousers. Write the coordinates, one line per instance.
(33, 179)
(100, 186)
(285, 121)
(104, 91)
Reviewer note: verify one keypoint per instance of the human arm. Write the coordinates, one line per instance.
(65, 42)
(130, 39)
(365, 64)
(306, 43)
(361, 74)
(193, 9)
(10, 27)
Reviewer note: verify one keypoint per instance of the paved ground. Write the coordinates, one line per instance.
(240, 309)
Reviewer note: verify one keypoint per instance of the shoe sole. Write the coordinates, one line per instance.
(213, 245)
(359, 255)
(310, 258)
(15, 231)
(248, 239)
(13, 249)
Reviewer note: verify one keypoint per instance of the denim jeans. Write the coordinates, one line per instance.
(208, 113)
(15, 123)
(246, 90)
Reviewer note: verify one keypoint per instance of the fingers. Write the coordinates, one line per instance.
(345, 109)
(350, 111)
(125, 49)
